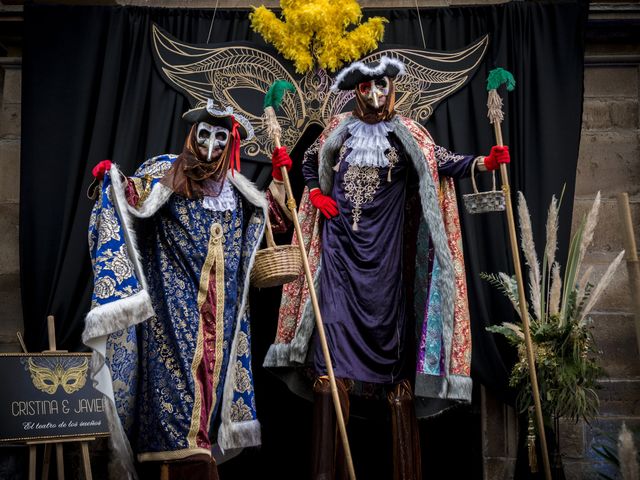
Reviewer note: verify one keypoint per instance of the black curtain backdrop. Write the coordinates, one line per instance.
(91, 91)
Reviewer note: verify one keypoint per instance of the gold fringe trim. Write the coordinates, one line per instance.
(214, 256)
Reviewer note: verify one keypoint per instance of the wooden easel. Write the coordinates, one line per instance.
(84, 441)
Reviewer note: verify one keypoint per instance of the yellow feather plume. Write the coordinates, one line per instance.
(317, 30)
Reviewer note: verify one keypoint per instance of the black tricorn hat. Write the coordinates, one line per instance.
(218, 116)
(359, 72)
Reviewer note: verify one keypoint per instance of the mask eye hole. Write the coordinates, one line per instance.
(364, 88)
(204, 134)
(382, 83)
(221, 136)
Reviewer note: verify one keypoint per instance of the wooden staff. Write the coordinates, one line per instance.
(633, 264)
(272, 100)
(496, 78)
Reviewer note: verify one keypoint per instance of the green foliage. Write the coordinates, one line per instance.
(565, 365)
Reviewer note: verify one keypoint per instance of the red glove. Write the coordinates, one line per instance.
(324, 203)
(101, 168)
(280, 158)
(497, 156)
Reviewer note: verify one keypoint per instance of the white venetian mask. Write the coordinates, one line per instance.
(211, 137)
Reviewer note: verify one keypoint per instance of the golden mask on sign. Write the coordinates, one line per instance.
(47, 374)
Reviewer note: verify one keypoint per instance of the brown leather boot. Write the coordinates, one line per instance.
(406, 438)
(327, 456)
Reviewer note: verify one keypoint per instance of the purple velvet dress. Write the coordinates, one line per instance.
(362, 295)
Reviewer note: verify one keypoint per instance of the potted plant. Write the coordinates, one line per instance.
(565, 354)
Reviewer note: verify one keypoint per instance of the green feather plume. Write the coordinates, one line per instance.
(498, 77)
(276, 92)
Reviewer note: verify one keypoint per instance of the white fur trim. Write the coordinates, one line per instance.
(458, 387)
(229, 437)
(248, 190)
(157, 198)
(121, 465)
(366, 70)
(234, 434)
(118, 315)
(123, 208)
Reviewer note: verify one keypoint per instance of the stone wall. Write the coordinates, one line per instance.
(10, 306)
(609, 162)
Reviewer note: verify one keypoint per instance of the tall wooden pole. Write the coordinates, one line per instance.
(524, 314)
(633, 264)
(342, 427)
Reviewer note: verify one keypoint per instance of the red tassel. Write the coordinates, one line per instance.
(235, 151)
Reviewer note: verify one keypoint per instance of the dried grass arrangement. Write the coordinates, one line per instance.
(566, 357)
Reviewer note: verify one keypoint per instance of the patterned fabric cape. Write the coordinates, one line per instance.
(440, 304)
(121, 300)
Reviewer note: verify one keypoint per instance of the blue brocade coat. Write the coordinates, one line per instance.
(169, 321)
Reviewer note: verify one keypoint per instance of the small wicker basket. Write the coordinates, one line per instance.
(483, 202)
(276, 264)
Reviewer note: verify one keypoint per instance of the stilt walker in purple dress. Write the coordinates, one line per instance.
(388, 263)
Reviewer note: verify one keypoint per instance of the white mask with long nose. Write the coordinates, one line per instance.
(211, 137)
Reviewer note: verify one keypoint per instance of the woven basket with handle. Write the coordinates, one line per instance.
(483, 202)
(276, 264)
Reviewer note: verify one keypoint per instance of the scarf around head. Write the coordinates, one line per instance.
(191, 176)
(369, 114)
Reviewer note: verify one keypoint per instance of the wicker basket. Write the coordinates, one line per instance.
(276, 264)
(483, 202)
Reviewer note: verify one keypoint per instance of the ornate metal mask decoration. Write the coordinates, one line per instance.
(239, 74)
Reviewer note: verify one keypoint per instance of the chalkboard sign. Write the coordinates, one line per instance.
(48, 396)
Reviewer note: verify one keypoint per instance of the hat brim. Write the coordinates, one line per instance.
(359, 72)
(201, 114)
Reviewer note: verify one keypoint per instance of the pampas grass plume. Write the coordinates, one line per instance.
(589, 229)
(552, 232)
(601, 286)
(529, 249)
(555, 290)
(627, 454)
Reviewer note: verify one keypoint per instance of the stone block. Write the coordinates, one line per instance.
(10, 168)
(571, 439)
(496, 428)
(619, 398)
(499, 468)
(9, 218)
(11, 310)
(608, 81)
(615, 337)
(608, 236)
(10, 118)
(617, 296)
(12, 90)
(608, 162)
(581, 470)
(602, 114)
